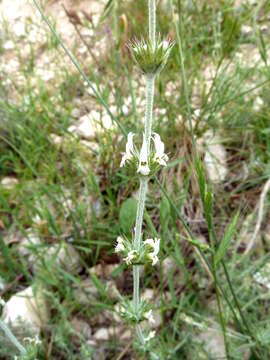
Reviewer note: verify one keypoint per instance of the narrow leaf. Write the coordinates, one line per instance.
(226, 240)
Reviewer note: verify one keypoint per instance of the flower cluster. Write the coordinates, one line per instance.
(151, 58)
(148, 251)
(153, 247)
(126, 310)
(145, 164)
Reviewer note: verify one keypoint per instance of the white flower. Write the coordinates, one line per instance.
(2, 302)
(149, 316)
(150, 336)
(130, 257)
(154, 258)
(164, 44)
(35, 340)
(129, 149)
(120, 245)
(119, 308)
(160, 157)
(155, 245)
(143, 165)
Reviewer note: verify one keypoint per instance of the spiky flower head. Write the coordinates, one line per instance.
(151, 57)
(127, 311)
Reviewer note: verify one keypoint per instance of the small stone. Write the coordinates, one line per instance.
(215, 158)
(106, 122)
(87, 32)
(126, 335)
(84, 128)
(125, 109)
(169, 265)
(104, 271)
(102, 334)
(9, 182)
(63, 255)
(28, 243)
(213, 343)
(18, 29)
(246, 29)
(90, 145)
(258, 103)
(57, 140)
(26, 308)
(82, 50)
(75, 113)
(148, 295)
(112, 290)
(8, 45)
(2, 283)
(86, 292)
(82, 328)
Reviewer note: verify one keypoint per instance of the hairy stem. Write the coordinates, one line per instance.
(150, 85)
(140, 210)
(137, 240)
(152, 20)
(12, 338)
(150, 90)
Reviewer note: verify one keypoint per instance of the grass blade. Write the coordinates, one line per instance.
(226, 240)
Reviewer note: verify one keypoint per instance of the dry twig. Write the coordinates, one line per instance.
(260, 216)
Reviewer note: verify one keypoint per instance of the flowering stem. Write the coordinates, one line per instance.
(150, 89)
(150, 85)
(140, 210)
(137, 244)
(137, 240)
(152, 20)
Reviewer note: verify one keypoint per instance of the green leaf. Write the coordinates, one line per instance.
(164, 212)
(226, 240)
(127, 214)
(107, 10)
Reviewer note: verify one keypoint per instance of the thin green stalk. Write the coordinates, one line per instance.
(220, 312)
(140, 334)
(12, 338)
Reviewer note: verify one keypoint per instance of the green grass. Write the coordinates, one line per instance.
(48, 175)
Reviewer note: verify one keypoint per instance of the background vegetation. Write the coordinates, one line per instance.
(61, 186)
